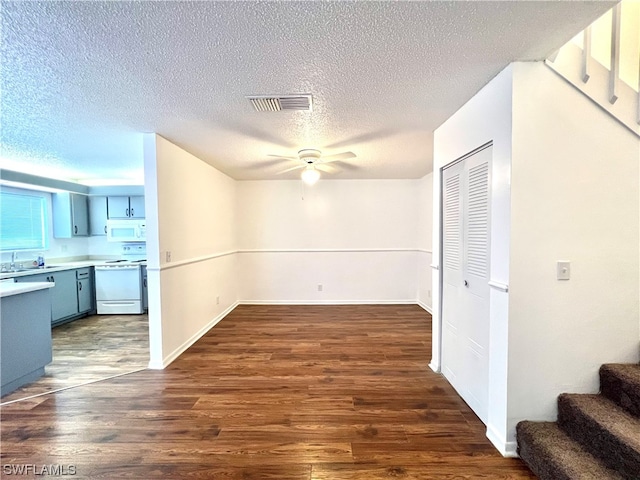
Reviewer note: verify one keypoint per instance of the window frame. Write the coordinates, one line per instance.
(45, 220)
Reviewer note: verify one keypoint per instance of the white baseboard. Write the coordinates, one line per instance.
(166, 361)
(425, 307)
(434, 366)
(506, 449)
(327, 302)
(153, 365)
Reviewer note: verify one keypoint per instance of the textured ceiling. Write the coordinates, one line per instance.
(81, 81)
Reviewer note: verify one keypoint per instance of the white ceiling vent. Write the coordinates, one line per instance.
(276, 103)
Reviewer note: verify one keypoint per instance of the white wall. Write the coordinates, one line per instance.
(424, 239)
(191, 240)
(484, 118)
(357, 238)
(574, 196)
(564, 186)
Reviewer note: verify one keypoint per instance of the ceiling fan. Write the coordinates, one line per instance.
(312, 162)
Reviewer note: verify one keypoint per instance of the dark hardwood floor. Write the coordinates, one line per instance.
(90, 349)
(272, 392)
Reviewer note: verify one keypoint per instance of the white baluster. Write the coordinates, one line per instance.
(586, 54)
(614, 73)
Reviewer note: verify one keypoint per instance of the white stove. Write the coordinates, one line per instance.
(119, 282)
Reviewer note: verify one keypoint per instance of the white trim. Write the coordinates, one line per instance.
(503, 287)
(435, 366)
(506, 449)
(166, 361)
(425, 307)
(82, 384)
(329, 250)
(204, 258)
(327, 302)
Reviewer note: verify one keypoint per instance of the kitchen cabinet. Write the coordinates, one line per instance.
(145, 291)
(97, 215)
(25, 337)
(65, 298)
(126, 207)
(85, 290)
(64, 302)
(70, 215)
(136, 205)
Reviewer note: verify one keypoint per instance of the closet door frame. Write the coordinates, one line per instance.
(444, 328)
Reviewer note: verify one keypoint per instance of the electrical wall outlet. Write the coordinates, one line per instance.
(218, 300)
(167, 256)
(319, 287)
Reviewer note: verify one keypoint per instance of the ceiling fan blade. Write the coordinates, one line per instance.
(284, 156)
(337, 157)
(327, 168)
(297, 167)
(276, 162)
(345, 165)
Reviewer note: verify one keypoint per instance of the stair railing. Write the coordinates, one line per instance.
(600, 78)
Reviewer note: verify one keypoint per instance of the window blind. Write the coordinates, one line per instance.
(22, 222)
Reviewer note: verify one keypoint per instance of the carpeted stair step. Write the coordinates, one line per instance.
(604, 429)
(552, 455)
(621, 383)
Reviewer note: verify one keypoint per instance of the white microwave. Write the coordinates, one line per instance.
(126, 231)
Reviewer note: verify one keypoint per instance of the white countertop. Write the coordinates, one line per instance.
(57, 267)
(52, 268)
(8, 288)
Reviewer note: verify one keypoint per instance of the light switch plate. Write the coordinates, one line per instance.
(564, 270)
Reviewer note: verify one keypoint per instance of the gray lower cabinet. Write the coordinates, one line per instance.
(64, 301)
(145, 291)
(85, 290)
(25, 338)
(71, 296)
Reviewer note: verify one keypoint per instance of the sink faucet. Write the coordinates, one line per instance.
(14, 257)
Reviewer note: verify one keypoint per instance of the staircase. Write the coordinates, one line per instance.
(596, 437)
(602, 62)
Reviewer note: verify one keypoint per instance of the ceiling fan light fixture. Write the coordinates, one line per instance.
(310, 175)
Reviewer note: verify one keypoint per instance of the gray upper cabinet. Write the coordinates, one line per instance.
(125, 207)
(70, 215)
(97, 215)
(136, 207)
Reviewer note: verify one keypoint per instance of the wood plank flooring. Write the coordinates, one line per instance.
(272, 392)
(89, 349)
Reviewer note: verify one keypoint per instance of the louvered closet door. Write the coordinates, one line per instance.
(465, 279)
